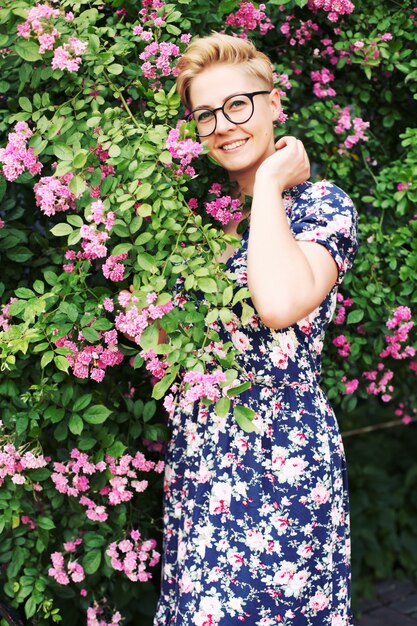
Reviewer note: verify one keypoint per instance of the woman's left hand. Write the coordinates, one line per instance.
(288, 166)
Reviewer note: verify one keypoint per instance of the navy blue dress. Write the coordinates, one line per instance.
(257, 524)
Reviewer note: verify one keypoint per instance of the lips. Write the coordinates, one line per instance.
(233, 144)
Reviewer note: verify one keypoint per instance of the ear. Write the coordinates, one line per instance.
(275, 102)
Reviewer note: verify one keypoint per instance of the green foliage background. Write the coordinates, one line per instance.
(44, 407)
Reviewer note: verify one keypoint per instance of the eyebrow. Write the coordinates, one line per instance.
(207, 106)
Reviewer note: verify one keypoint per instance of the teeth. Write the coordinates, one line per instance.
(235, 144)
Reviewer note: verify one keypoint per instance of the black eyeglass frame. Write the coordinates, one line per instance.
(249, 95)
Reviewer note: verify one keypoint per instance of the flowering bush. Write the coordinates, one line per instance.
(109, 224)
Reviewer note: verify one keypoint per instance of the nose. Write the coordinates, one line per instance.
(223, 124)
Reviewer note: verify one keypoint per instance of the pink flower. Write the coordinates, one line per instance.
(224, 209)
(108, 305)
(131, 557)
(67, 56)
(403, 186)
(334, 8)
(16, 157)
(52, 195)
(351, 386)
(248, 18)
(182, 148)
(114, 270)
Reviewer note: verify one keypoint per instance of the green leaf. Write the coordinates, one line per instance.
(163, 385)
(82, 402)
(3, 187)
(70, 310)
(227, 295)
(17, 307)
(354, 317)
(114, 151)
(96, 414)
(46, 358)
(23, 292)
(93, 540)
(146, 261)
(80, 159)
(61, 230)
(25, 104)
(30, 607)
(61, 363)
(29, 51)
(63, 152)
(77, 185)
(75, 424)
(149, 410)
(86, 443)
(115, 68)
(121, 248)
(116, 449)
(39, 286)
(45, 522)
(222, 407)
(207, 285)
(90, 334)
(54, 414)
(144, 191)
(91, 561)
(149, 337)
(50, 277)
(244, 416)
(235, 391)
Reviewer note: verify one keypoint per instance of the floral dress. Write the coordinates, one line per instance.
(257, 524)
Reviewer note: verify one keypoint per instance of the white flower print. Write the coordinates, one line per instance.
(220, 498)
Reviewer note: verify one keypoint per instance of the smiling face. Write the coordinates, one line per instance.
(239, 148)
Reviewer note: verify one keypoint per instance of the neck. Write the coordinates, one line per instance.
(244, 183)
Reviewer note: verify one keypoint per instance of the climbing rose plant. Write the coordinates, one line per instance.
(110, 222)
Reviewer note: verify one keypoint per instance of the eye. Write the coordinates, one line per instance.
(203, 116)
(237, 103)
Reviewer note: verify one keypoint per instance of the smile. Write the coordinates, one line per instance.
(234, 144)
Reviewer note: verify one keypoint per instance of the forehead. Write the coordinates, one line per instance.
(214, 84)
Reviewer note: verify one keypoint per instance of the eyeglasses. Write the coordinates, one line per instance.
(237, 109)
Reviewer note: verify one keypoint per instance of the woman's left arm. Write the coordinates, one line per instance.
(287, 279)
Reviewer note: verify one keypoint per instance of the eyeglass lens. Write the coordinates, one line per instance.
(237, 109)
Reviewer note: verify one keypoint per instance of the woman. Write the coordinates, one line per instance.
(257, 525)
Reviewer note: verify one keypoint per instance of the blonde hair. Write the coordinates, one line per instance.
(219, 48)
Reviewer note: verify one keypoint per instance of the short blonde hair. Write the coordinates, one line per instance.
(220, 48)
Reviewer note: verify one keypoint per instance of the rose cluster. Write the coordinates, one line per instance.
(64, 573)
(14, 462)
(320, 78)
(16, 157)
(73, 478)
(92, 360)
(134, 321)
(40, 24)
(400, 335)
(183, 148)
(223, 208)
(130, 556)
(344, 122)
(249, 18)
(53, 195)
(334, 8)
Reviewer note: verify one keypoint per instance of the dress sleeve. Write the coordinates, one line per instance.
(325, 214)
